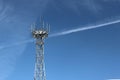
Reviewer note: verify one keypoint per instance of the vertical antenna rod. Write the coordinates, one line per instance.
(40, 34)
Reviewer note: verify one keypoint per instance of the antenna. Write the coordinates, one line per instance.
(42, 22)
(48, 27)
(32, 27)
(40, 34)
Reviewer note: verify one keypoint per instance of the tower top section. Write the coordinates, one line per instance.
(41, 32)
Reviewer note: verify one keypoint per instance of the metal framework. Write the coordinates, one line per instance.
(39, 35)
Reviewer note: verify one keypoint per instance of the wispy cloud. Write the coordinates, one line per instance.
(15, 28)
(8, 58)
(92, 5)
(4, 10)
(6, 67)
(16, 44)
(9, 54)
(79, 5)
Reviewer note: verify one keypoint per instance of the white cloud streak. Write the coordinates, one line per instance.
(77, 5)
(66, 32)
(8, 56)
(4, 11)
(92, 5)
(16, 44)
(85, 28)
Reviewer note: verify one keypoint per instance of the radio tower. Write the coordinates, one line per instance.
(40, 34)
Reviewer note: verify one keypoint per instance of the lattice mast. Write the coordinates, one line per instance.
(40, 34)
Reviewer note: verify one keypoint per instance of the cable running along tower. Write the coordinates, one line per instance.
(40, 34)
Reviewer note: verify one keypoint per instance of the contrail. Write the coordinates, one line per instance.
(15, 44)
(85, 28)
(67, 32)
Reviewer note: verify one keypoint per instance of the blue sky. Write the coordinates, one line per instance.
(86, 55)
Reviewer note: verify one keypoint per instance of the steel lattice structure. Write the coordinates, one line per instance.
(40, 35)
